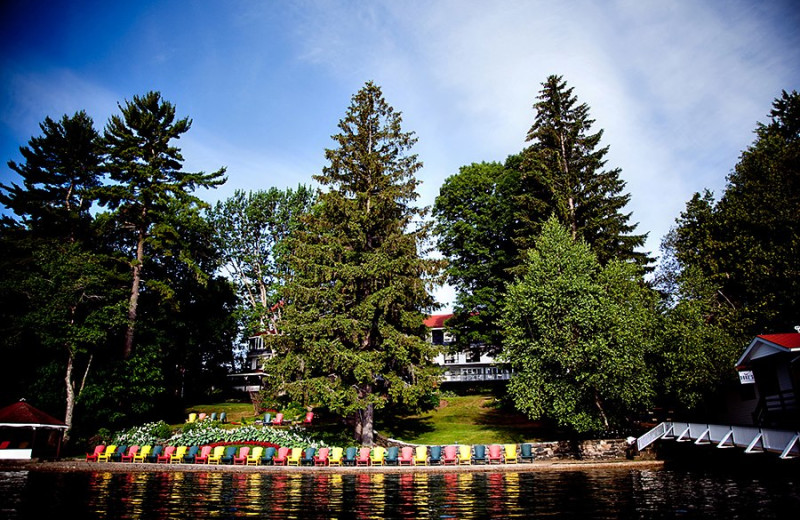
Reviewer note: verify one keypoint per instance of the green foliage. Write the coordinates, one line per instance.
(578, 336)
(251, 231)
(355, 337)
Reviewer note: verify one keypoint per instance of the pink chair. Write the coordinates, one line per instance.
(495, 453)
(278, 420)
(244, 451)
(450, 455)
(321, 458)
(363, 457)
(202, 457)
(406, 456)
(128, 457)
(281, 457)
(100, 448)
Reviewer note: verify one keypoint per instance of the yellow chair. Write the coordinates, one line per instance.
(142, 454)
(255, 456)
(106, 455)
(420, 455)
(511, 453)
(378, 454)
(464, 454)
(192, 417)
(335, 458)
(294, 457)
(216, 455)
(178, 454)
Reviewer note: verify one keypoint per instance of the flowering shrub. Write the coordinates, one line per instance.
(206, 432)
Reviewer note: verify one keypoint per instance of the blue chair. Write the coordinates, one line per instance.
(227, 457)
(350, 456)
(435, 456)
(392, 456)
(479, 454)
(266, 458)
(308, 456)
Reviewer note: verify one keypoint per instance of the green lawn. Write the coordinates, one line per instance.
(466, 420)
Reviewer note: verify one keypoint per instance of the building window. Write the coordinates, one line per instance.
(449, 358)
(437, 337)
(473, 356)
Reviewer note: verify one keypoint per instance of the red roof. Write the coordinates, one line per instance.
(23, 413)
(790, 340)
(436, 321)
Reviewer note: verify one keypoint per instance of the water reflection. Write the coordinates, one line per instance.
(628, 493)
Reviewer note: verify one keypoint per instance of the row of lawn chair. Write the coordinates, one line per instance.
(280, 420)
(202, 416)
(336, 456)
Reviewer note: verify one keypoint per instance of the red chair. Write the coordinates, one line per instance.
(406, 456)
(202, 457)
(281, 457)
(308, 419)
(100, 448)
(495, 453)
(321, 458)
(128, 457)
(278, 420)
(166, 455)
(450, 455)
(241, 459)
(363, 457)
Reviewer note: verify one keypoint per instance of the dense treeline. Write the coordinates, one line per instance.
(124, 295)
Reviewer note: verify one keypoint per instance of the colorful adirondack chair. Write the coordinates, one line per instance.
(241, 459)
(213, 416)
(201, 416)
(278, 420)
(255, 456)
(450, 455)
(350, 456)
(128, 456)
(178, 454)
(118, 453)
(267, 419)
(308, 456)
(406, 456)
(202, 457)
(378, 455)
(166, 455)
(525, 452)
(336, 455)
(308, 419)
(392, 454)
(464, 454)
(510, 453)
(420, 455)
(363, 457)
(321, 458)
(100, 448)
(192, 417)
(190, 455)
(435, 455)
(216, 455)
(106, 455)
(495, 454)
(282, 457)
(154, 453)
(269, 455)
(223, 417)
(480, 454)
(294, 457)
(227, 457)
(143, 453)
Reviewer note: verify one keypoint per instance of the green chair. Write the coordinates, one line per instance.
(228, 456)
(392, 456)
(269, 453)
(350, 456)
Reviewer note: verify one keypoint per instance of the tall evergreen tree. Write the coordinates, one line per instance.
(61, 286)
(564, 174)
(147, 175)
(355, 338)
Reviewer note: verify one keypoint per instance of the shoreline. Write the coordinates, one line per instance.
(73, 466)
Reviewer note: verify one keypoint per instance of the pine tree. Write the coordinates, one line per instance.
(355, 338)
(146, 169)
(564, 175)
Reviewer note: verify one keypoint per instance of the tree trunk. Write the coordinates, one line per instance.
(358, 424)
(367, 431)
(599, 403)
(134, 301)
(70, 386)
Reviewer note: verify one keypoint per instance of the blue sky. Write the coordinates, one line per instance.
(678, 87)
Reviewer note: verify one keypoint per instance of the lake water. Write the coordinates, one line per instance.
(595, 493)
